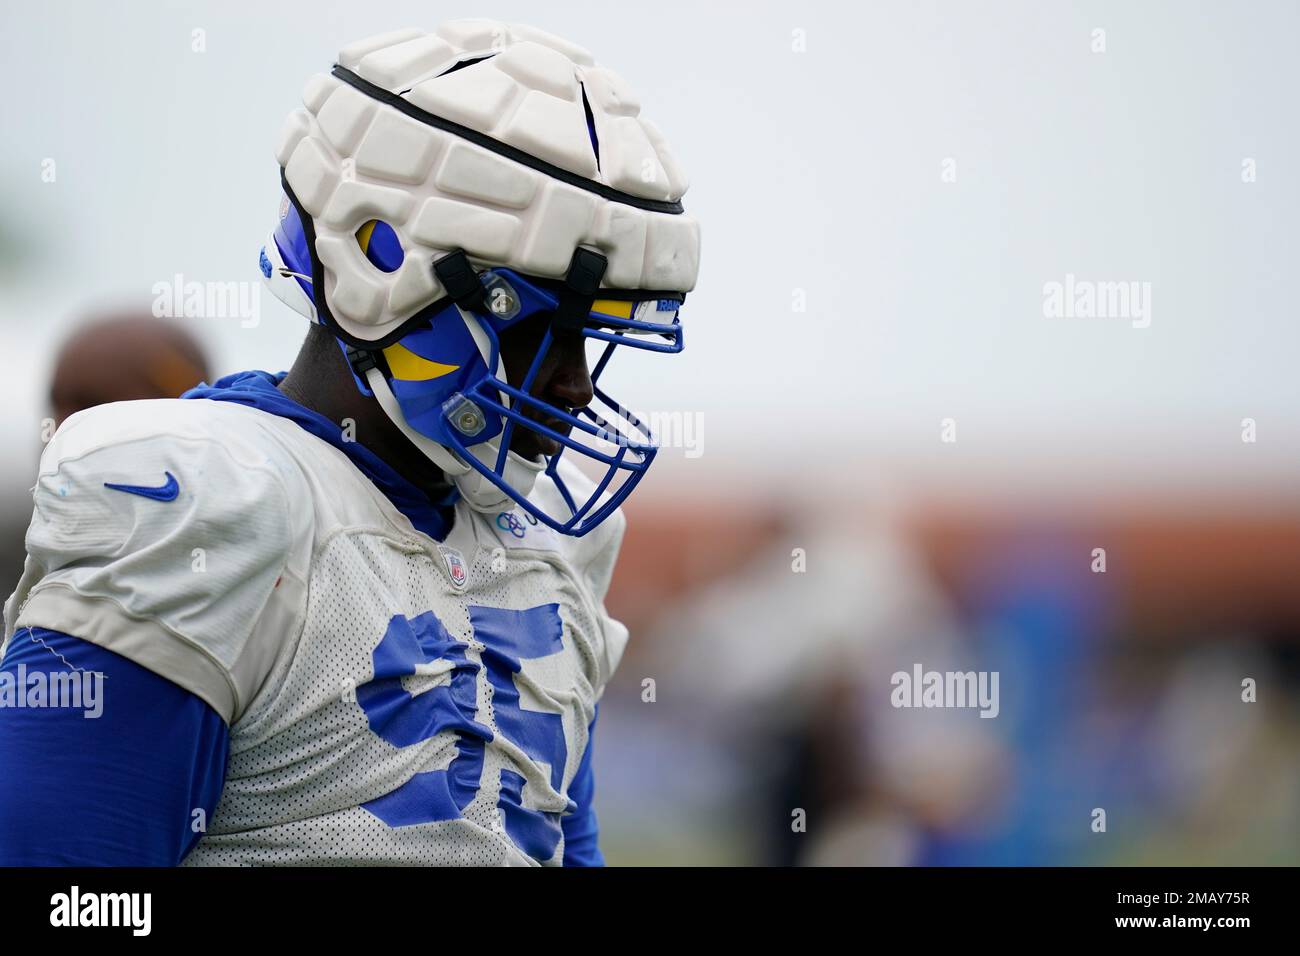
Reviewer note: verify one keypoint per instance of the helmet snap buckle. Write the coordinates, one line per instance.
(502, 300)
(467, 417)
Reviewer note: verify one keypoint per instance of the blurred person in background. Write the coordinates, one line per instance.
(123, 357)
(779, 685)
(111, 356)
(779, 712)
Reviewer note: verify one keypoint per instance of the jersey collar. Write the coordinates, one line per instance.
(259, 390)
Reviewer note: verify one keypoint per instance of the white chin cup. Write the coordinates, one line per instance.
(520, 474)
(481, 494)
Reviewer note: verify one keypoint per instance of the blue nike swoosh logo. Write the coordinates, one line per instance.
(164, 492)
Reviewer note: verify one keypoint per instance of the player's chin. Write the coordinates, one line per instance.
(531, 444)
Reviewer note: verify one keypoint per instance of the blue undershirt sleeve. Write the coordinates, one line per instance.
(581, 832)
(102, 762)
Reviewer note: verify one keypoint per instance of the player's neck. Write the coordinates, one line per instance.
(320, 380)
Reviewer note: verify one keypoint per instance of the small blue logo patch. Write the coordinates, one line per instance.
(507, 521)
(164, 492)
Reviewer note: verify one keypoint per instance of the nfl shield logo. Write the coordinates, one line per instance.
(455, 567)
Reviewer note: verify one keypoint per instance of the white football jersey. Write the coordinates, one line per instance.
(391, 699)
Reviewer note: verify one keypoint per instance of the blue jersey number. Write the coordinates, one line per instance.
(403, 719)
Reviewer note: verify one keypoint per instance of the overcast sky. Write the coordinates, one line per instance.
(919, 170)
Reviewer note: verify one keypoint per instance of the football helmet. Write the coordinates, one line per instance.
(440, 188)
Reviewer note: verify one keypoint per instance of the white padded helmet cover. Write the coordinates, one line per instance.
(350, 157)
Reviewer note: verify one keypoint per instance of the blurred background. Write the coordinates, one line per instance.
(884, 452)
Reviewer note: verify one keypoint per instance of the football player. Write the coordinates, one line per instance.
(355, 613)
